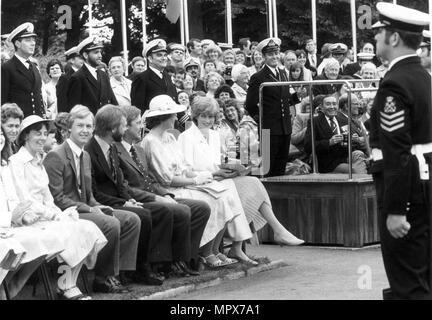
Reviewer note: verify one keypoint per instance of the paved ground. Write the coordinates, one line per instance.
(312, 273)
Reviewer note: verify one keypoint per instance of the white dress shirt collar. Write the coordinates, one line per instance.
(104, 146)
(75, 149)
(23, 61)
(335, 121)
(127, 146)
(92, 70)
(273, 70)
(160, 75)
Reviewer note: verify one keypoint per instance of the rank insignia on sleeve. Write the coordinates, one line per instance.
(390, 105)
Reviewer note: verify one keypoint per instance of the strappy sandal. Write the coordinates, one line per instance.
(227, 261)
(217, 264)
(73, 293)
(247, 261)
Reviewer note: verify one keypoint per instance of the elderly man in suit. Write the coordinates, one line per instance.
(134, 167)
(90, 86)
(21, 82)
(276, 105)
(154, 81)
(69, 171)
(74, 63)
(330, 143)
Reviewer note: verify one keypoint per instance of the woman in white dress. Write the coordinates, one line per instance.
(54, 70)
(81, 239)
(166, 164)
(120, 85)
(201, 147)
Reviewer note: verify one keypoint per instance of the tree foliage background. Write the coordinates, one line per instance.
(206, 20)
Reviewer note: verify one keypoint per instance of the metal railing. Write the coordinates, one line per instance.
(311, 84)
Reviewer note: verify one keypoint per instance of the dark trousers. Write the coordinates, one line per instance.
(122, 231)
(279, 150)
(144, 236)
(407, 259)
(199, 215)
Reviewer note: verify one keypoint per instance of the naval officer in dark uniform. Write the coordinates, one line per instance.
(21, 82)
(74, 63)
(276, 105)
(90, 86)
(401, 141)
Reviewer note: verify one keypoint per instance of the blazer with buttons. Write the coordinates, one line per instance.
(22, 86)
(276, 102)
(86, 90)
(148, 85)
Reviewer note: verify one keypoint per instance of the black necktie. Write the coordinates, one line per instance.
(277, 75)
(112, 163)
(333, 125)
(147, 180)
(82, 179)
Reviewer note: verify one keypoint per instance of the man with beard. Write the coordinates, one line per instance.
(74, 63)
(70, 183)
(111, 189)
(192, 67)
(89, 86)
(154, 81)
(186, 239)
(21, 82)
(276, 105)
(425, 47)
(401, 140)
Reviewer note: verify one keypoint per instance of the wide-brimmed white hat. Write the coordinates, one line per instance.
(162, 104)
(31, 120)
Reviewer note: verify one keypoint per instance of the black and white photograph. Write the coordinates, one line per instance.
(220, 156)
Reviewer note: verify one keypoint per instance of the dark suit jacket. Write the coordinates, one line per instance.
(324, 88)
(329, 157)
(276, 102)
(62, 91)
(308, 65)
(22, 86)
(138, 181)
(351, 68)
(148, 85)
(86, 90)
(63, 183)
(106, 190)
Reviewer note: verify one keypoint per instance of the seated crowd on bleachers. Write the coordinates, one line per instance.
(137, 177)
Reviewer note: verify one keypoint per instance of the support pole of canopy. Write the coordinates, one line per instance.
(182, 25)
(124, 33)
(144, 24)
(270, 18)
(275, 20)
(354, 28)
(229, 32)
(314, 21)
(186, 20)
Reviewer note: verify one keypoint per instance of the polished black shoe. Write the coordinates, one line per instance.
(110, 285)
(148, 278)
(183, 265)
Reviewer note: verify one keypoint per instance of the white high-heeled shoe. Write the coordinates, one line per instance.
(291, 240)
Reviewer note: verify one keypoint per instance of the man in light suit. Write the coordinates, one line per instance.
(68, 167)
(154, 81)
(21, 82)
(90, 86)
(135, 170)
(276, 105)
